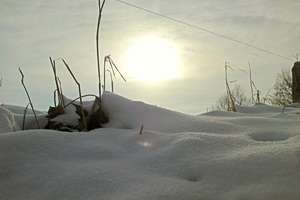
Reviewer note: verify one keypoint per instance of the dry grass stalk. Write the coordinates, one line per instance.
(104, 73)
(100, 5)
(80, 96)
(54, 97)
(56, 81)
(112, 63)
(111, 80)
(61, 93)
(231, 101)
(28, 96)
(24, 117)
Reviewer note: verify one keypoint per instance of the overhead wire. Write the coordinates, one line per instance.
(197, 27)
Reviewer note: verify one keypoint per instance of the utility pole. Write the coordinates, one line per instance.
(251, 83)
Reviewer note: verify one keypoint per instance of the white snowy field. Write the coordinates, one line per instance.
(252, 154)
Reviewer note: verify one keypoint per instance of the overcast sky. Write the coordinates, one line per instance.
(33, 30)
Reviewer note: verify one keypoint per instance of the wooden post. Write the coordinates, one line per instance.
(296, 82)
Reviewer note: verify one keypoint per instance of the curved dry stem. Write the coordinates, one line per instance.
(87, 95)
(115, 66)
(56, 81)
(80, 96)
(28, 96)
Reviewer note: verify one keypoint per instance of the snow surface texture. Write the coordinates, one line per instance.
(214, 156)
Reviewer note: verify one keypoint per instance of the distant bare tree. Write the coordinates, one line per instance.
(238, 95)
(282, 91)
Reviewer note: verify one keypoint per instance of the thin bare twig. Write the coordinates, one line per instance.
(80, 96)
(30, 102)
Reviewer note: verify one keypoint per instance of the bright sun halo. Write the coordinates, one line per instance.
(153, 59)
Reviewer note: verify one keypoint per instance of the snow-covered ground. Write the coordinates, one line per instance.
(252, 154)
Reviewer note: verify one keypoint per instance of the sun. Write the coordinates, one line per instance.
(153, 59)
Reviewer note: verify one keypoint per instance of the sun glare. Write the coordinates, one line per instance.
(153, 59)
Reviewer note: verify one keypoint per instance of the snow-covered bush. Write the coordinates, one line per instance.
(282, 90)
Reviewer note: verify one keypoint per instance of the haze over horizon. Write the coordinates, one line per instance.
(33, 30)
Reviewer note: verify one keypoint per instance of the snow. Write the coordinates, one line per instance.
(219, 156)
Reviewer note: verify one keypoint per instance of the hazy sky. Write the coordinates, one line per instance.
(33, 30)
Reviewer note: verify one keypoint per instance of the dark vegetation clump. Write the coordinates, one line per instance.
(88, 118)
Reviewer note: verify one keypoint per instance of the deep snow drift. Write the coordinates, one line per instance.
(253, 154)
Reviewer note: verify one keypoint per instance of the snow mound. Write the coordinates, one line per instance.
(216, 156)
(12, 120)
(120, 164)
(260, 109)
(7, 121)
(20, 109)
(127, 114)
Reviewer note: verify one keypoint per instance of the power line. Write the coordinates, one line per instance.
(204, 30)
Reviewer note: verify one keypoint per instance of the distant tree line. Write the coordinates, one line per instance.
(281, 94)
